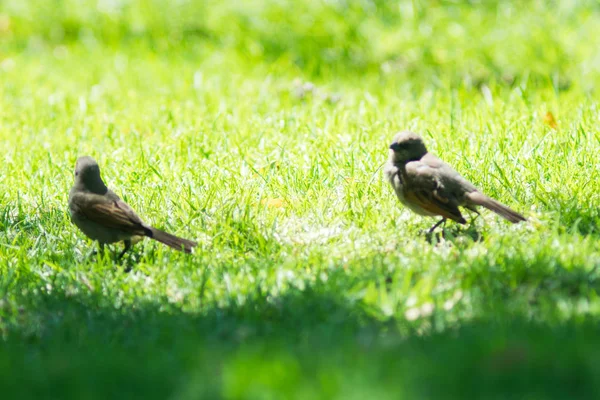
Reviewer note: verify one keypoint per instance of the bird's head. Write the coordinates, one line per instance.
(87, 175)
(407, 146)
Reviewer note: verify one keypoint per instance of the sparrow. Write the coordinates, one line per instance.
(102, 216)
(430, 187)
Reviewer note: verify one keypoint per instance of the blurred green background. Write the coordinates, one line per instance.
(258, 128)
(464, 41)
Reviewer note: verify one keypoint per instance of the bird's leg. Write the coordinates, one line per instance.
(99, 251)
(477, 214)
(127, 243)
(441, 221)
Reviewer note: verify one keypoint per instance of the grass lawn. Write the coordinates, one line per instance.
(259, 129)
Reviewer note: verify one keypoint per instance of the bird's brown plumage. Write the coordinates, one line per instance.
(429, 186)
(103, 216)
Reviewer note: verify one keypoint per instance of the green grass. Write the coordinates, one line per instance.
(310, 279)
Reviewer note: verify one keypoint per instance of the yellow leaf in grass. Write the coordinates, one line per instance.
(550, 121)
(274, 203)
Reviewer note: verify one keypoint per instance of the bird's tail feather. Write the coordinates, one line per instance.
(495, 206)
(172, 241)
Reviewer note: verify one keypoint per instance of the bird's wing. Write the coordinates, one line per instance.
(450, 178)
(113, 213)
(423, 187)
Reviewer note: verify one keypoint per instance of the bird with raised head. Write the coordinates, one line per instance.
(430, 187)
(102, 216)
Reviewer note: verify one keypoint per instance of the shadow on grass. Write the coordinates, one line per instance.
(575, 216)
(452, 232)
(313, 343)
(541, 285)
(584, 223)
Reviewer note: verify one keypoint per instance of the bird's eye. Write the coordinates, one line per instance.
(76, 173)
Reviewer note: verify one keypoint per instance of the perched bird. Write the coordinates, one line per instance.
(429, 186)
(104, 217)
